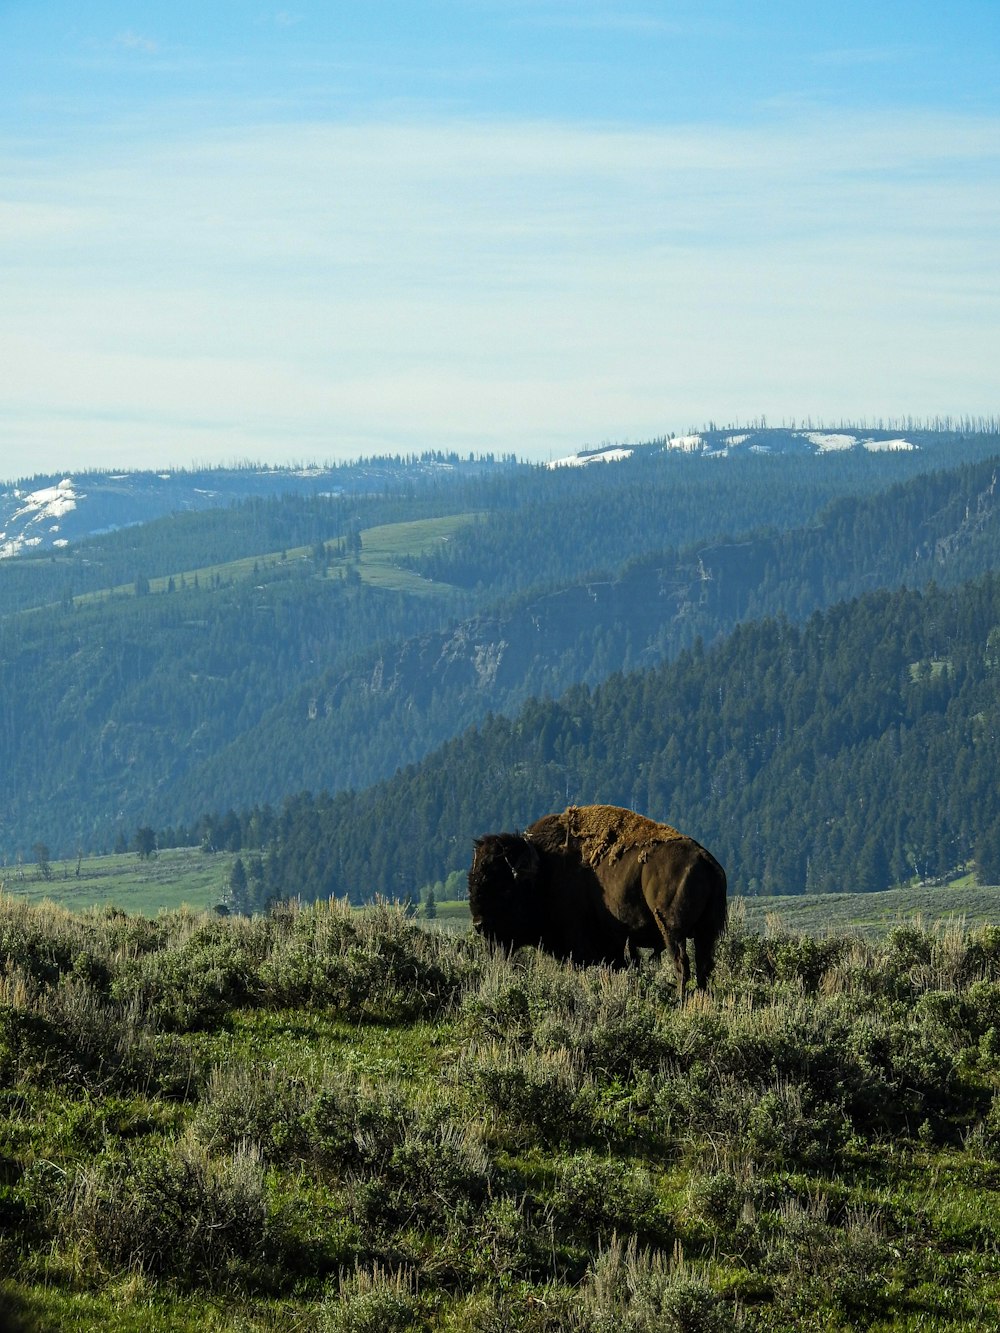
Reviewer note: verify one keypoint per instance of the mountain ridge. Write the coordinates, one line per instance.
(48, 511)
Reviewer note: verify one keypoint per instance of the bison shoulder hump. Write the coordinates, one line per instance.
(602, 832)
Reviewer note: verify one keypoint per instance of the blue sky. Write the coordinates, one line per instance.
(234, 231)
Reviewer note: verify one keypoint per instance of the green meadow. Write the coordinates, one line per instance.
(376, 562)
(174, 878)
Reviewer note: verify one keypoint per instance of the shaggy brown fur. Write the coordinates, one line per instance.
(604, 832)
(595, 884)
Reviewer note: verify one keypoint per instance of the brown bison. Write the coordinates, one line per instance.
(596, 883)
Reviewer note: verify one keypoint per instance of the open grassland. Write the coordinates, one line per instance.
(177, 877)
(875, 913)
(376, 562)
(187, 877)
(340, 1121)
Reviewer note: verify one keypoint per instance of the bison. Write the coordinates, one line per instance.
(596, 883)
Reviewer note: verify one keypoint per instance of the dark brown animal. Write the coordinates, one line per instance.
(596, 883)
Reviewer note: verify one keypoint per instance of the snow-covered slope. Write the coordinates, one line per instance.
(38, 518)
(723, 443)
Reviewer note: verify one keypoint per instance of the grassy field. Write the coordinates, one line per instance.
(186, 876)
(381, 549)
(874, 913)
(183, 876)
(333, 1121)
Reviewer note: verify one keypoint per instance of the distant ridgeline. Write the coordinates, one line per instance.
(225, 659)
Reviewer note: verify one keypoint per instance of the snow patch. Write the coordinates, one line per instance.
(827, 443)
(737, 439)
(685, 443)
(50, 501)
(893, 445)
(581, 460)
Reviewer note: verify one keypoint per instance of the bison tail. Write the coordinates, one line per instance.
(711, 927)
(720, 907)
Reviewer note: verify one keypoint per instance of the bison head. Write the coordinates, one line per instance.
(502, 897)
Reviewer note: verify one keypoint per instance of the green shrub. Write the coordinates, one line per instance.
(637, 1291)
(175, 1212)
(596, 1197)
(30, 1046)
(194, 984)
(247, 1104)
(817, 1262)
(510, 1238)
(436, 1171)
(718, 1198)
(533, 1096)
(373, 1301)
(785, 1125)
(630, 1034)
(378, 965)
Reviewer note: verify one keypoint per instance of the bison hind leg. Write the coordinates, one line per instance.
(682, 966)
(704, 956)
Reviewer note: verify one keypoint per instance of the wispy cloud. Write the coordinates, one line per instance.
(134, 41)
(848, 57)
(403, 286)
(279, 18)
(605, 21)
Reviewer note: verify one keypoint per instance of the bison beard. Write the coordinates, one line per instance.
(596, 883)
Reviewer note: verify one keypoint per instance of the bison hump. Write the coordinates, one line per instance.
(607, 832)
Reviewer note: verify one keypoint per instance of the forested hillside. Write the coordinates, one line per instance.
(340, 729)
(225, 659)
(850, 753)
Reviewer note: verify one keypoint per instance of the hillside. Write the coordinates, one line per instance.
(229, 657)
(401, 700)
(853, 752)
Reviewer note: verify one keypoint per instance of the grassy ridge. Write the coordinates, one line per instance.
(381, 547)
(339, 1121)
